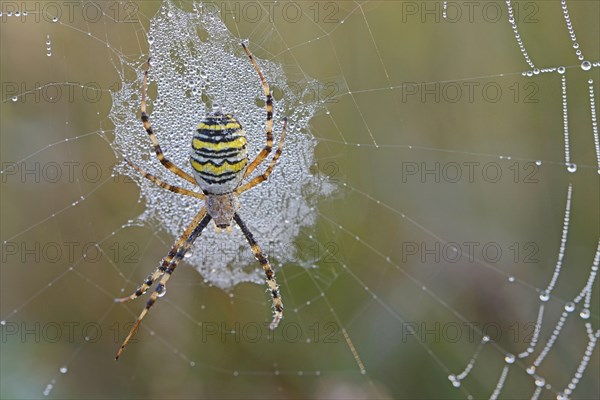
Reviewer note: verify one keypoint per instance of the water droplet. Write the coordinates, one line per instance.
(456, 384)
(48, 389)
(161, 290)
(511, 278)
(570, 306)
(63, 370)
(54, 19)
(530, 370)
(14, 98)
(571, 167)
(509, 358)
(585, 313)
(561, 70)
(544, 296)
(150, 39)
(586, 65)
(540, 382)
(538, 162)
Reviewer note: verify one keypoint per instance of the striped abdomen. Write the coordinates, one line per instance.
(219, 154)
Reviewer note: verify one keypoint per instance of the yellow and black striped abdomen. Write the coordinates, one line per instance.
(219, 154)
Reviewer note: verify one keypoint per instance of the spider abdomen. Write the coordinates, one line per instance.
(219, 154)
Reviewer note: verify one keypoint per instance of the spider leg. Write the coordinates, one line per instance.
(165, 261)
(277, 304)
(148, 127)
(265, 175)
(269, 107)
(160, 287)
(155, 180)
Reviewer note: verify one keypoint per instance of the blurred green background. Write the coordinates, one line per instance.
(370, 57)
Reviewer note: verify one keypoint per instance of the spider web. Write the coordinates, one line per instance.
(434, 217)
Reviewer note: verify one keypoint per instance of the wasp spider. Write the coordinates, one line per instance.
(219, 159)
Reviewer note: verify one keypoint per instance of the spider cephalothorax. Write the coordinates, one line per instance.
(222, 208)
(219, 159)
